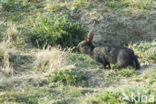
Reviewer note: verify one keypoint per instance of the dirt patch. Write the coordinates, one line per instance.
(121, 28)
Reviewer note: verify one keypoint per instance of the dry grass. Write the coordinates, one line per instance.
(13, 36)
(4, 58)
(11, 33)
(50, 58)
(10, 38)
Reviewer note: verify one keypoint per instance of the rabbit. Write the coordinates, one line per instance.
(108, 54)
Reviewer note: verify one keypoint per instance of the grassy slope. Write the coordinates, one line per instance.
(26, 71)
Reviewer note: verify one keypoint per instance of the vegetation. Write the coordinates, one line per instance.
(54, 30)
(133, 96)
(146, 51)
(34, 69)
(69, 77)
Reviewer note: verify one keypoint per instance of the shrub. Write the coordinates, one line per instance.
(69, 77)
(54, 30)
(14, 5)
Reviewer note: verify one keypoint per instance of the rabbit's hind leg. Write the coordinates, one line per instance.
(109, 67)
(104, 66)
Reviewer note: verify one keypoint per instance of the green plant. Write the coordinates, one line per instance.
(69, 77)
(54, 30)
(114, 3)
(74, 92)
(138, 4)
(151, 54)
(134, 95)
(14, 5)
(126, 73)
(103, 98)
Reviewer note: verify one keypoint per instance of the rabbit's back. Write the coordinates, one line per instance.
(113, 54)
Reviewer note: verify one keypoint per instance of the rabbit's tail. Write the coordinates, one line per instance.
(136, 63)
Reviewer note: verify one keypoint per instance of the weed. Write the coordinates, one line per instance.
(69, 77)
(102, 98)
(126, 73)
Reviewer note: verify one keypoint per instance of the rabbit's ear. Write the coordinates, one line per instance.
(86, 38)
(90, 35)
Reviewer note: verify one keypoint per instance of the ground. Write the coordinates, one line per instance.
(52, 75)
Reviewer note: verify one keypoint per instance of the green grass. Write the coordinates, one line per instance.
(69, 77)
(135, 96)
(81, 61)
(138, 4)
(53, 75)
(146, 51)
(74, 85)
(56, 30)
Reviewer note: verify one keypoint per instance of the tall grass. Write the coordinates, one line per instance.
(11, 41)
(6, 50)
(5, 59)
(50, 58)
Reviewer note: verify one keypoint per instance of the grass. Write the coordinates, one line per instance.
(68, 84)
(138, 4)
(49, 59)
(134, 95)
(52, 75)
(5, 55)
(69, 77)
(146, 51)
(56, 29)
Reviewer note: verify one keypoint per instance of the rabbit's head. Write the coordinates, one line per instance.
(86, 46)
